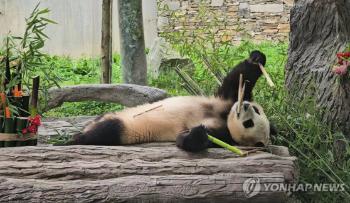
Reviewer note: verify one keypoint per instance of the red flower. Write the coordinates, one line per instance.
(36, 120)
(33, 128)
(343, 55)
(24, 131)
(34, 123)
(342, 69)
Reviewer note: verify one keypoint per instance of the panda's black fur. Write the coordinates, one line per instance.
(209, 116)
(251, 72)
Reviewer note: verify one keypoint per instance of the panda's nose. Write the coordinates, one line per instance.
(246, 106)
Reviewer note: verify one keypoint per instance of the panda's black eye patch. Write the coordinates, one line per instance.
(256, 110)
(248, 123)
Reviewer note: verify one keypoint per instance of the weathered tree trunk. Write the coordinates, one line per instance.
(138, 174)
(320, 29)
(125, 94)
(132, 42)
(106, 43)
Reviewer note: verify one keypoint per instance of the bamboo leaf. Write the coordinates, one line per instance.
(48, 20)
(46, 10)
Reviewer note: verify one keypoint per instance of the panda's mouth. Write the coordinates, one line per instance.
(248, 123)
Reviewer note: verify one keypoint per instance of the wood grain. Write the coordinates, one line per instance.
(117, 93)
(152, 173)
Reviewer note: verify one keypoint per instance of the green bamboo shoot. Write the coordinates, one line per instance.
(225, 145)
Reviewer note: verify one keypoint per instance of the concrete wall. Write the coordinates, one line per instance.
(79, 30)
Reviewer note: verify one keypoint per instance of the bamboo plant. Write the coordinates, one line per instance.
(21, 61)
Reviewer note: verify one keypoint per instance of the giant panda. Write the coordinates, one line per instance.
(186, 120)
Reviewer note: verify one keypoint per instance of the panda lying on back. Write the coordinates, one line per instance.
(188, 119)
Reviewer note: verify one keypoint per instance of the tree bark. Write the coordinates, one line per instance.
(320, 29)
(106, 43)
(138, 174)
(132, 42)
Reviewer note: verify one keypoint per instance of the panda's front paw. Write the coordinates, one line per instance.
(194, 140)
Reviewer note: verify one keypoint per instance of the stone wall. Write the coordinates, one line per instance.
(259, 19)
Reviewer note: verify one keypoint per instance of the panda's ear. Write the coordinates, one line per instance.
(273, 129)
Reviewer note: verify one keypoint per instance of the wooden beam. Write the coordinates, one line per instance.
(107, 42)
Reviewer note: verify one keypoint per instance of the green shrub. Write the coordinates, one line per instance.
(82, 71)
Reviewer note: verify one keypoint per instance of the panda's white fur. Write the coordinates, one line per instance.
(250, 125)
(165, 119)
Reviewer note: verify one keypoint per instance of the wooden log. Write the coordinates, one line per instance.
(125, 94)
(145, 173)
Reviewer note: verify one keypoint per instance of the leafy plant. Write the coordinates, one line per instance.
(208, 45)
(25, 53)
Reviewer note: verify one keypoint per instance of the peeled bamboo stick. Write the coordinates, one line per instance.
(241, 90)
(266, 75)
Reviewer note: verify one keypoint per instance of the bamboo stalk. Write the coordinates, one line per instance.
(24, 111)
(9, 128)
(217, 75)
(35, 96)
(21, 123)
(188, 80)
(7, 66)
(151, 109)
(18, 72)
(225, 145)
(241, 89)
(267, 76)
(2, 121)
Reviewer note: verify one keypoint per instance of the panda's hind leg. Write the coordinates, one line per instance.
(193, 140)
(101, 132)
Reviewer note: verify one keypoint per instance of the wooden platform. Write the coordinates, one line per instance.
(156, 172)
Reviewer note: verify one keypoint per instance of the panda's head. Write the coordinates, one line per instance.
(249, 127)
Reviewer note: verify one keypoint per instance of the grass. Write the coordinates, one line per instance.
(83, 71)
(299, 122)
